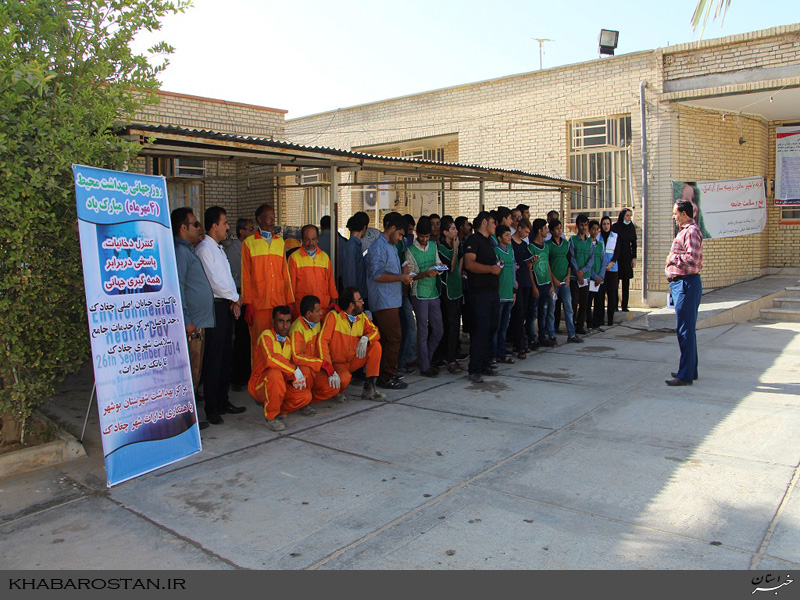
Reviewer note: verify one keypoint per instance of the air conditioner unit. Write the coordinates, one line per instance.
(370, 197)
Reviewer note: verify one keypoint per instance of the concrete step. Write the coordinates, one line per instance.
(793, 292)
(784, 302)
(781, 314)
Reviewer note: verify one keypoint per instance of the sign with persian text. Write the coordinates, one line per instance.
(787, 165)
(728, 207)
(145, 397)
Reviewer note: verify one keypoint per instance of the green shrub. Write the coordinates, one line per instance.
(67, 79)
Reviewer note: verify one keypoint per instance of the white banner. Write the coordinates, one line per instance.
(787, 165)
(727, 208)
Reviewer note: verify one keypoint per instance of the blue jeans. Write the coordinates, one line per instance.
(686, 295)
(543, 303)
(499, 342)
(562, 293)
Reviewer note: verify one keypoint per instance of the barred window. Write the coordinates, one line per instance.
(599, 152)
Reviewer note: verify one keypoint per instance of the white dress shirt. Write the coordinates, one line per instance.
(217, 268)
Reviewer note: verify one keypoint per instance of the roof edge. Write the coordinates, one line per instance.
(220, 101)
(733, 39)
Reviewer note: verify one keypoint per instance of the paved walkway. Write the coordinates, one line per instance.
(577, 458)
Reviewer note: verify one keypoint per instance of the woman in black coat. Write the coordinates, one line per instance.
(626, 251)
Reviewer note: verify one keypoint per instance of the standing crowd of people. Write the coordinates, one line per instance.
(268, 315)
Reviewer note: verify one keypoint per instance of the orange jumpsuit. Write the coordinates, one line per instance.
(305, 354)
(265, 281)
(339, 339)
(312, 276)
(273, 372)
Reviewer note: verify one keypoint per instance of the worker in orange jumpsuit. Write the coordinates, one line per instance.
(265, 277)
(310, 270)
(349, 341)
(276, 382)
(304, 334)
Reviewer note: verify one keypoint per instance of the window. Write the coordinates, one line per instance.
(187, 193)
(599, 152)
(790, 213)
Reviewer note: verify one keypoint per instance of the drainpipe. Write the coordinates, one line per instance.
(642, 112)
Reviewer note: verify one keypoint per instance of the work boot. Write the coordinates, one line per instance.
(275, 425)
(339, 398)
(308, 411)
(370, 393)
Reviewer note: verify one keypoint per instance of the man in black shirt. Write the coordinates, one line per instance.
(483, 278)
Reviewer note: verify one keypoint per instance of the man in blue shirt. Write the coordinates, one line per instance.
(385, 279)
(197, 299)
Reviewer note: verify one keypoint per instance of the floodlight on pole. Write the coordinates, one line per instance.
(541, 41)
(608, 41)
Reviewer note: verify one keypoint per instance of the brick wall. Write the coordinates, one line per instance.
(708, 148)
(217, 115)
(768, 48)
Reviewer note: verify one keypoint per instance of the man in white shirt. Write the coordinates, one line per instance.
(216, 370)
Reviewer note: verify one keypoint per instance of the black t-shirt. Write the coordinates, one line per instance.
(479, 245)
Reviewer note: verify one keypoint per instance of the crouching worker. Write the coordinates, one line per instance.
(276, 382)
(349, 341)
(304, 333)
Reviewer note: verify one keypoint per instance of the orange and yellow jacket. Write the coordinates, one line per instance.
(265, 277)
(271, 354)
(339, 337)
(312, 276)
(305, 345)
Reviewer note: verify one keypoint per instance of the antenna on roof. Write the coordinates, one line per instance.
(541, 42)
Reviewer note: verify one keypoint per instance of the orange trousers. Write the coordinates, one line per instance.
(276, 392)
(372, 361)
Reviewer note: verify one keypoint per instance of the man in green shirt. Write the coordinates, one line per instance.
(423, 258)
(505, 258)
(558, 249)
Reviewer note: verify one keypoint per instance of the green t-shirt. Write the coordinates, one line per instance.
(559, 264)
(541, 272)
(507, 275)
(451, 279)
(427, 287)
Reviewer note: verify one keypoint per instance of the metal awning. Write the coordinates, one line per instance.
(169, 140)
(286, 158)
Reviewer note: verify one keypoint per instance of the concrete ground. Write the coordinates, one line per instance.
(578, 457)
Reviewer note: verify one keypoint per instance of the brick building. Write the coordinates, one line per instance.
(688, 107)
(710, 112)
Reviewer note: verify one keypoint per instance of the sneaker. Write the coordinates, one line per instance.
(475, 378)
(370, 393)
(408, 370)
(307, 411)
(550, 343)
(275, 425)
(339, 398)
(491, 372)
(392, 384)
(580, 331)
(574, 340)
(599, 329)
(509, 360)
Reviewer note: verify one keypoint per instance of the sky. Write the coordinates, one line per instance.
(312, 56)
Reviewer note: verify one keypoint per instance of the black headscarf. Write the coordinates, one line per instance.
(605, 234)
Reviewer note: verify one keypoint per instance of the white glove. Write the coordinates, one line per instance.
(299, 379)
(334, 381)
(361, 349)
